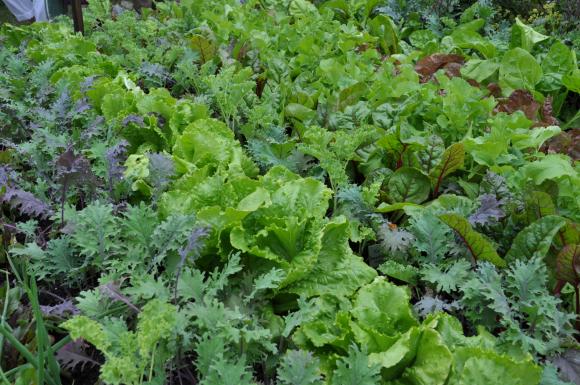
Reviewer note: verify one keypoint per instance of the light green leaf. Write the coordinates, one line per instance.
(476, 366)
(465, 38)
(479, 70)
(432, 362)
(384, 307)
(399, 356)
(572, 80)
(518, 70)
(525, 36)
(559, 61)
(387, 208)
(552, 166)
(337, 270)
(385, 29)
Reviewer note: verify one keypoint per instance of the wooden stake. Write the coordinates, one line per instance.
(77, 11)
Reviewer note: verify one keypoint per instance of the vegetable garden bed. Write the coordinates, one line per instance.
(283, 192)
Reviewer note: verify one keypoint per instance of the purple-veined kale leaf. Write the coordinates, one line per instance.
(488, 212)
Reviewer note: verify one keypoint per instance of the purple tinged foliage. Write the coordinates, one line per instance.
(73, 355)
(115, 157)
(136, 119)
(62, 105)
(60, 310)
(113, 291)
(194, 243)
(489, 211)
(87, 84)
(21, 200)
(81, 106)
(568, 363)
(429, 304)
(26, 203)
(72, 168)
(161, 169)
(95, 126)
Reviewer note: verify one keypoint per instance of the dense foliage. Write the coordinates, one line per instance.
(289, 192)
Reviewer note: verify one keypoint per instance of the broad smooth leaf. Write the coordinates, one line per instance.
(538, 205)
(568, 264)
(409, 185)
(479, 70)
(452, 160)
(479, 247)
(572, 80)
(525, 36)
(552, 166)
(535, 240)
(518, 70)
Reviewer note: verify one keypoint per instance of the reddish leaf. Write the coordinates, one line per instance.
(453, 69)
(494, 89)
(428, 65)
(568, 264)
(567, 142)
(546, 113)
(519, 100)
(74, 355)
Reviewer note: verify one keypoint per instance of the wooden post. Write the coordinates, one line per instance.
(77, 11)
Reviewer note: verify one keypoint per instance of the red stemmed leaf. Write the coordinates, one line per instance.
(568, 264)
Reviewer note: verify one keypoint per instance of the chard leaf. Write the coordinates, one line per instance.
(535, 240)
(568, 264)
(538, 205)
(452, 160)
(409, 185)
(479, 247)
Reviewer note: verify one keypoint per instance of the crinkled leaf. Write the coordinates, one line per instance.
(299, 367)
(569, 365)
(355, 369)
(337, 270)
(490, 210)
(428, 65)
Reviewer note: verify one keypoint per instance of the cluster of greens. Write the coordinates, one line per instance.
(288, 192)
